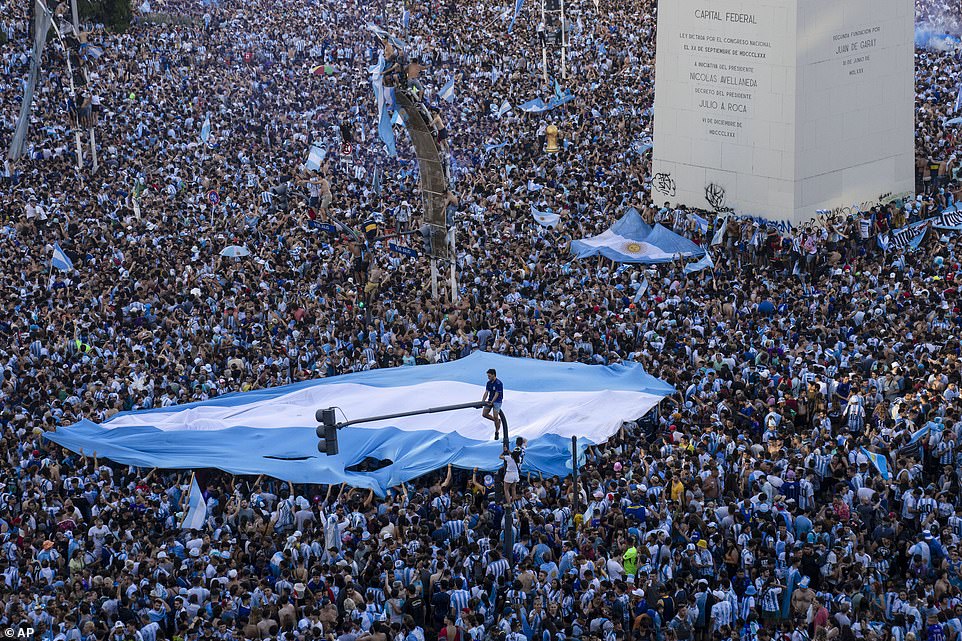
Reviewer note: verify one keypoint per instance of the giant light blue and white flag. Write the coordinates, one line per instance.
(447, 91)
(60, 260)
(272, 431)
(546, 218)
(205, 130)
(196, 517)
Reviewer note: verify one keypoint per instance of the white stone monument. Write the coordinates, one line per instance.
(783, 108)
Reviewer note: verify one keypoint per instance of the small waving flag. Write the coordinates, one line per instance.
(196, 508)
(447, 91)
(545, 218)
(60, 260)
(205, 130)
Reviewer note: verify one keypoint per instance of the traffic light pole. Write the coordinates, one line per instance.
(431, 410)
(327, 432)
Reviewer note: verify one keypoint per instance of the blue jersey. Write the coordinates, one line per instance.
(495, 390)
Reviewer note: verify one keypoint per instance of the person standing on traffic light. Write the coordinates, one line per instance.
(493, 395)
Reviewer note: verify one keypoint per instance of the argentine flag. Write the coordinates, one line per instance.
(504, 108)
(958, 100)
(196, 517)
(272, 431)
(60, 260)
(879, 462)
(719, 236)
(631, 240)
(447, 91)
(385, 104)
(545, 218)
(205, 130)
(315, 157)
(705, 262)
(642, 289)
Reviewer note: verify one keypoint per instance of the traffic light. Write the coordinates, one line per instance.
(326, 431)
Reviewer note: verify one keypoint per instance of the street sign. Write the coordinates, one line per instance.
(404, 251)
(213, 197)
(328, 227)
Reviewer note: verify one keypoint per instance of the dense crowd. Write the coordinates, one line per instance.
(804, 482)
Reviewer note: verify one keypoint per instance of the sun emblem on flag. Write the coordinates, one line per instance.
(632, 248)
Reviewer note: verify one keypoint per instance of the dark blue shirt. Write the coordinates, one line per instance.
(495, 390)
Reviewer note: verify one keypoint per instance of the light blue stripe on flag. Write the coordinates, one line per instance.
(60, 260)
(915, 242)
(196, 508)
(958, 100)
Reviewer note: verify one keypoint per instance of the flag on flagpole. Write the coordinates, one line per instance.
(879, 462)
(205, 130)
(315, 157)
(385, 105)
(406, 19)
(883, 242)
(196, 516)
(701, 222)
(60, 260)
(546, 218)
(447, 91)
(705, 262)
(641, 291)
(517, 11)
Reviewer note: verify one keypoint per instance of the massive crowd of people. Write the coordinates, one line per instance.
(803, 483)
